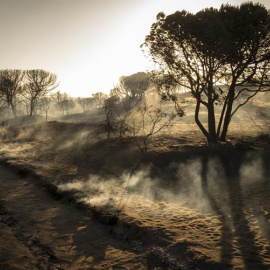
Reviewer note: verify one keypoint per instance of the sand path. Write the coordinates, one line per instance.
(39, 232)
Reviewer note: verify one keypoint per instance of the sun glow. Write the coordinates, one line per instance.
(89, 44)
(99, 64)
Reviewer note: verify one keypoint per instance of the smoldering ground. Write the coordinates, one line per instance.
(204, 197)
(193, 179)
(218, 197)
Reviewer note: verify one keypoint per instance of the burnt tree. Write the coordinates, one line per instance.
(218, 54)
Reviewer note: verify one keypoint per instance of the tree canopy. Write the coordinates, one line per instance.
(135, 85)
(10, 86)
(39, 83)
(214, 53)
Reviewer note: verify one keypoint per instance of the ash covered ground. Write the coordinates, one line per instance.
(69, 205)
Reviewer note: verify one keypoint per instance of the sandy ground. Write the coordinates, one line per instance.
(210, 210)
(38, 232)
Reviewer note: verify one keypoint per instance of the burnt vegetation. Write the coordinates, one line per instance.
(218, 57)
(193, 132)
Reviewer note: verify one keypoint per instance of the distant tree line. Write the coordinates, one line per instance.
(29, 92)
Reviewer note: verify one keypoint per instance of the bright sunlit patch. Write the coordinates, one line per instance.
(88, 44)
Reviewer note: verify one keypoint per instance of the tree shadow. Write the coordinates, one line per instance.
(235, 223)
(226, 230)
(88, 238)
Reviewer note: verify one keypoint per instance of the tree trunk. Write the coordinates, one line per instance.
(108, 125)
(213, 139)
(32, 107)
(211, 114)
(13, 109)
(227, 118)
(222, 116)
(198, 122)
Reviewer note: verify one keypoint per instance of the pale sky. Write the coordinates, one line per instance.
(89, 44)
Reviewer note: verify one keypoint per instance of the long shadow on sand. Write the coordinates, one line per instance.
(235, 223)
(89, 239)
(235, 182)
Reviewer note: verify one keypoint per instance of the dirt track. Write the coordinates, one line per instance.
(38, 232)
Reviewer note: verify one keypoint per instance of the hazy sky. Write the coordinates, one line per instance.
(89, 44)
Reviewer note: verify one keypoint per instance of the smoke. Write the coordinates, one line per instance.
(74, 140)
(252, 171)
(200, 184)
(112, 192)
(187, 190)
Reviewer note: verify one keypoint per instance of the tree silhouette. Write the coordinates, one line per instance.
(134, 86)
(99, 99)
(129, 93)
(86, 103)
(64, 102)
(150, 121)
(11, 86)
(44, 104)
(39, 83)
(218, 54)
(66, 105)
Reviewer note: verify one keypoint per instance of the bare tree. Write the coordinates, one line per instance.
(44, 104)
(86, 103)
(59, 96)
(66, 105)
(123, 109)
(10, 86)
(40, 82)
(63, 102)
(99, 99)
(150, 120)
(110, 107)
(130, 92)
